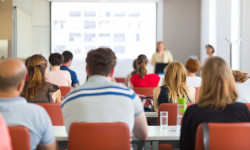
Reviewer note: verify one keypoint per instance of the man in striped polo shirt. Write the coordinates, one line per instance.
(101, 100)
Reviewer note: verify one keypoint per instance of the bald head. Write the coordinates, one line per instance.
(12, 72)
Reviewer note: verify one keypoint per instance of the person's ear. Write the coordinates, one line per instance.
(87, 70)
(20, 86)
(112, 73)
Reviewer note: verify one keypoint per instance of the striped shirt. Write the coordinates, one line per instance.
(101, 100)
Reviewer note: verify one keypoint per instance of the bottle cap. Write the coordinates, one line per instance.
(181, 101)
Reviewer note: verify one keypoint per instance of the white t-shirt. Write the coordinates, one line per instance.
(193, 81)
(59, 77)
(244, 92)
(101, 100)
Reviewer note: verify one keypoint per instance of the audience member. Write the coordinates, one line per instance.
(5, 141)
(135, 71)
(57, 76)
(101, 100)
(16, 110)
(192, 66)
(243, 86)
(143, 78)
(210, 52)
(174, 86)
(161, 55)
(36, 89)
(217, 98)
(67, 60)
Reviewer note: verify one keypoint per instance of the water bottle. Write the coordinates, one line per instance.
(181, 108)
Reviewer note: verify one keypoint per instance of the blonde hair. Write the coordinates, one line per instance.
(218, 86)
(36, 66)
(142, 62)
(157, 45)
(175, 80)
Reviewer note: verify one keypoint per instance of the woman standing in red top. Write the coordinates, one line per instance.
(142, 78)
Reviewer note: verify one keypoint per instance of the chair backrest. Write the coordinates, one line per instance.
(147, 91)
(20, 137)
(223, 136)
(65, 90)
(197, 94)
(96, 136)
(248, 105)
(120, 80)
(171, 108)
(55, 112)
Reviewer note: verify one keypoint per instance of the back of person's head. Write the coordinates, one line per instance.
(12, 74)
(142, 62)
(55, 59)
(175, 80)
(36, 66)
(239, 76)
(158, 45)
(193, 65)
(135, 67)
(210, 46)
(67, 56)
(218, 86)
(100, 61)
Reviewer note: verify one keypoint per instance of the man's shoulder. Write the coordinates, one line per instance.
(34, 108)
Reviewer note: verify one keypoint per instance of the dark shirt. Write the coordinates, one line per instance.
(72, 74)
(44, 95)
(195, 115)
(163, 96)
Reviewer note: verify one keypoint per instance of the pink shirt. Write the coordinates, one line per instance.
(150, 80)
(5, 143)
(59, 77)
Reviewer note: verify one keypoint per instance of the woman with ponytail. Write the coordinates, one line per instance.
(36, 89)
(142, 78)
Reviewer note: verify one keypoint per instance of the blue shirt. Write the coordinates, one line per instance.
(72, 74)
(16, 111)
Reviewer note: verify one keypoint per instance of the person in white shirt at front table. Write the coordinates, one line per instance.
(101, 100)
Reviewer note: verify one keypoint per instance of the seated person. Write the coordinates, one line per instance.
(217, 98)
(174, 86)
(67, 60)
(243, 86)
(193, 66)
(101, 100)
(143, 78)
(36, 89)
(57, 76)
(135, 71)
(16, 110)
(5, 142)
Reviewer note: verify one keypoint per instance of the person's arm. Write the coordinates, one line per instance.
(141, 127)
(75, 81)
(131, 85)
(156, 93)
(51, 146)
(58, 96)
(153, 60)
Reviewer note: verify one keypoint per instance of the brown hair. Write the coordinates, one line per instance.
(175, 80)
(210, 46)
(100, 61)
(142, 62)
(193, 65)
(240, 76)
(218, 86)
(157, 45)
(36, 66)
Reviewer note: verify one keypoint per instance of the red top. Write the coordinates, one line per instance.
(150, 80)
(5, 143)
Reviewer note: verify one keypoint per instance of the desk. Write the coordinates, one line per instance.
(156, 136)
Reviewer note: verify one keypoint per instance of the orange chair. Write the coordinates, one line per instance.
(55, 112)
(96, 136)
(120, 80)
(223, 136)
(197, 94)
(171, 108)
(65, 90)
(147, 91)
(20, 137)
(248, 105)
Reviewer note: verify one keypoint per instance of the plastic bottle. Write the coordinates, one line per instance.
(181, 108)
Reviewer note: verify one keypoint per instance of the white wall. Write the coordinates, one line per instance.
(245, 36)
(182, 28)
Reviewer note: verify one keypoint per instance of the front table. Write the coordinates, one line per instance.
(156, 136)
